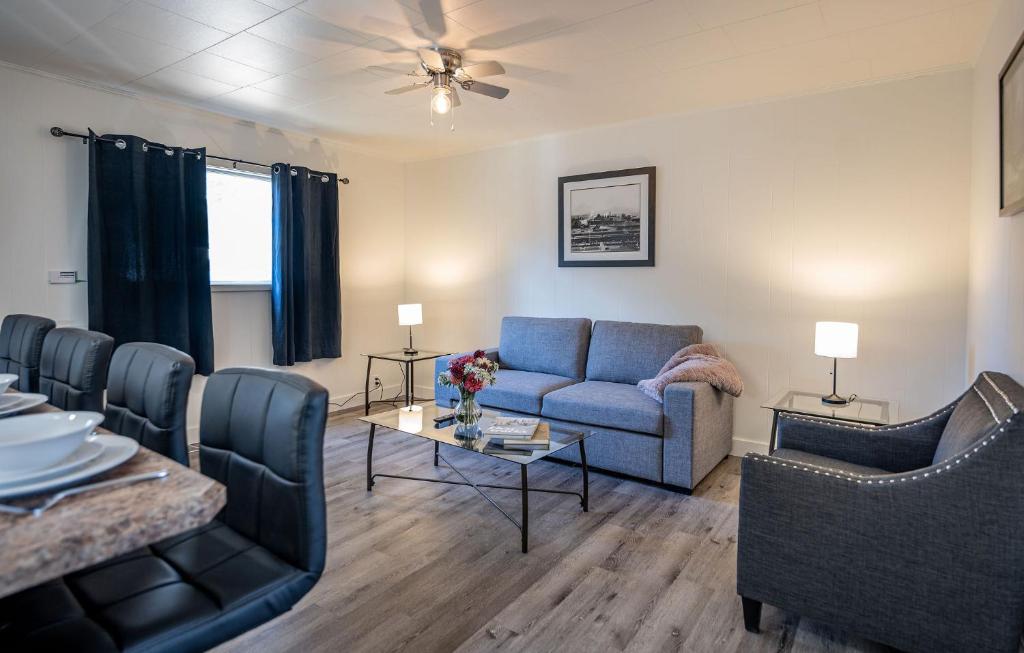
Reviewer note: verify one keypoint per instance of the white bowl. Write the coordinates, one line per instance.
(37, 441)
(6, 380)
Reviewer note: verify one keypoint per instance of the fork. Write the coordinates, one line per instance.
(70, 492)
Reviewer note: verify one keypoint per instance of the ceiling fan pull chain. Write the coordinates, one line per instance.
(453, 120)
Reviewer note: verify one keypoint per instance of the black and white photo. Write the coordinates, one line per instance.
(607, 219)
(1011, 133)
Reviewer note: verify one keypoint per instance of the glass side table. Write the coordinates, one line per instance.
(873, 412)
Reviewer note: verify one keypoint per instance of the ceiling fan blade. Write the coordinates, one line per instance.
(489, 90)
(456, 102)
(484, 69)
(432, 59)
(395, 70)
(406, 89)
(436, 25)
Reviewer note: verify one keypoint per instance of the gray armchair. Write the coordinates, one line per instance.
(910, 535)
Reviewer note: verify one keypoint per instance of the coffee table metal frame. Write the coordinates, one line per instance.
(523, 523)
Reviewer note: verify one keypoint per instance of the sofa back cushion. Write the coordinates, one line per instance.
(627, 352)
(989, 401)
(552, 345)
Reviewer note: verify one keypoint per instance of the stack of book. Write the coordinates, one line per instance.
(516, 435)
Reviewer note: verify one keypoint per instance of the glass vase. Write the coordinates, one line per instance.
(467, 416)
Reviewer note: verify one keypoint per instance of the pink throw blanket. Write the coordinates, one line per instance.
(694, 363)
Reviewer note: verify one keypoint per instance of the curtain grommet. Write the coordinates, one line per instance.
(120, 144)
(324, 178)
(276, 169)
(295, 173)
(169, 152)
(145, 146)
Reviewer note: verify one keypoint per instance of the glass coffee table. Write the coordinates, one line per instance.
(421, 423)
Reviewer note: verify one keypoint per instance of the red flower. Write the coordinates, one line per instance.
(479, 353)
(472, 383)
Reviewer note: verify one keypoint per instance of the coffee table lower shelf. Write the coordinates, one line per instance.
(523, 524)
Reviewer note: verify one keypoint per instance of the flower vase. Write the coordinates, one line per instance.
(467, 416)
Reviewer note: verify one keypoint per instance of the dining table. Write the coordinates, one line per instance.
(91, 527)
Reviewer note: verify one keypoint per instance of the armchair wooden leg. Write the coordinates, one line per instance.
(751, 615)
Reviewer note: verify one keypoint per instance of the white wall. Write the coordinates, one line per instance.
(995, 339)
(847, 205)
(43, 206)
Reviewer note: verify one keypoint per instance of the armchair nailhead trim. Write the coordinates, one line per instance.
(871, 427)
(1000, 391)
(867, 479)
(987, 405)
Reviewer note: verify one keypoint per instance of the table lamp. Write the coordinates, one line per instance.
(835, 340)
(410, 315)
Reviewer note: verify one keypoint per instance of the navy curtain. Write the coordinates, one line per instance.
(149, 255)
(306, 286)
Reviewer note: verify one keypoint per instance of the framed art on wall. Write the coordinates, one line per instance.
(1011, 133)
(606, 219)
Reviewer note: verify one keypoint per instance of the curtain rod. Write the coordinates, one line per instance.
(58, 132)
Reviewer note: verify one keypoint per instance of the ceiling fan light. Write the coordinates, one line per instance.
(441, 100)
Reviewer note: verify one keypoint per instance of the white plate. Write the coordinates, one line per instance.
(116, 450)
(88, 452)
(23, 401)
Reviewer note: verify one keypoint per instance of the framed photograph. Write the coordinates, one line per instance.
(606, 219)
(1011, 133)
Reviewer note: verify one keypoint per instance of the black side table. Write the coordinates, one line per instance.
(405, 359)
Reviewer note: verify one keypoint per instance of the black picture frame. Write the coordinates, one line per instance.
(1010, 205)
(600, 259)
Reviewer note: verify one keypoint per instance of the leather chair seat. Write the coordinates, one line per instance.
(193, 586)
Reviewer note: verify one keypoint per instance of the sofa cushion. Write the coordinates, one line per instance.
(627, 352)
(520, 391)
(990, 400)
(600, 403)
(545, 344)
(797, 456)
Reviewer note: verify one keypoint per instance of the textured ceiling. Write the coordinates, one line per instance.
(301, 64)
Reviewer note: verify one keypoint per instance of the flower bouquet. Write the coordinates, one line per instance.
(470, 374)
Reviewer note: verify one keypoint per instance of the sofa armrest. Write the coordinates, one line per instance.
(697, 432)
(443, 396)
(889, 556)
(897, 448)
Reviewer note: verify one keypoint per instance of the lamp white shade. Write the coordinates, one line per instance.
(835, 339)
(410, 314)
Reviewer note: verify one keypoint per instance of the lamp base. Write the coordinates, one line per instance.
(835, 400)
(410, 352)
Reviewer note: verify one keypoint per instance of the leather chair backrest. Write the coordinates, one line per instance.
(628, 352)
(21, 345)
(261, 434)
(990, 400)
(552, 345)
(147, 397)
(73, 368)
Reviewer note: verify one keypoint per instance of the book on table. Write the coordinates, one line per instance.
(540, 441)
(511, 428)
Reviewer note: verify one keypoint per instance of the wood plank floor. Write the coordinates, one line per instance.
(431, 567)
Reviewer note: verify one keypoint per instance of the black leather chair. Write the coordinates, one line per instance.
(261, 434)
(73, 368)
(147, 396)
(21, 345)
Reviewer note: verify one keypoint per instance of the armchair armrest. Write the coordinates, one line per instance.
(443, 396)
(890, 556)
(697, 432)
(896, 448)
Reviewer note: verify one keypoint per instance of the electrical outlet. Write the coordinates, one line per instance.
(376, 382)
(63, 276)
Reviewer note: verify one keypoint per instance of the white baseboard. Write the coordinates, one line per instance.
(742, 446)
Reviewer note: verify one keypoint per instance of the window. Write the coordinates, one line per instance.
(239, 208)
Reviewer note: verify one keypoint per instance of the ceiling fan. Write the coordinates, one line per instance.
(445, 73)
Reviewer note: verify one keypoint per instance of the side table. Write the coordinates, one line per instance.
(405, 359)
(874, 412)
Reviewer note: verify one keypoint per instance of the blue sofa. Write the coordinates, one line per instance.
(582, 376)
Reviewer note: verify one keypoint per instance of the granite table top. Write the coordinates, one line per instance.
(88, 528)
